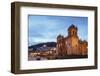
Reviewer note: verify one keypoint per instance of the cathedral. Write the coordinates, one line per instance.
(71, 45)
(66, 47)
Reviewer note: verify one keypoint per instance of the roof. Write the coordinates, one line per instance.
(72, 26)
(59, 36)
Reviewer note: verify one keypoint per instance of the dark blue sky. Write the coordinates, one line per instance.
(47, 28)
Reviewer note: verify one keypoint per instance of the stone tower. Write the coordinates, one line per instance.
(72, 30)
(60, 45)
(72, 40)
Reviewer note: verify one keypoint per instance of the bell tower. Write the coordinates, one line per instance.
(72, 30)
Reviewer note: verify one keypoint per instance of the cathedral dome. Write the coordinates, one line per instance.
(60, 36)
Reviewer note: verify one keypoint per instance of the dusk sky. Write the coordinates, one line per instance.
(47, 28)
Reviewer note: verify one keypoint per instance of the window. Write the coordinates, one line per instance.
(66, 42)
(73, 32)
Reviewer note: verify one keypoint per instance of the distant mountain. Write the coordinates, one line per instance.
(43, 46)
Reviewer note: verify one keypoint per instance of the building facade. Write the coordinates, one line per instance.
(71, 44)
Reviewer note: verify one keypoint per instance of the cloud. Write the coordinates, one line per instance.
(46, 28)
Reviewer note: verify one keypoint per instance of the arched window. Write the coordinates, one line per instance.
(73, 32)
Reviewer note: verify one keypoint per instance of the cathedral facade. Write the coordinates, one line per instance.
(71, 44)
